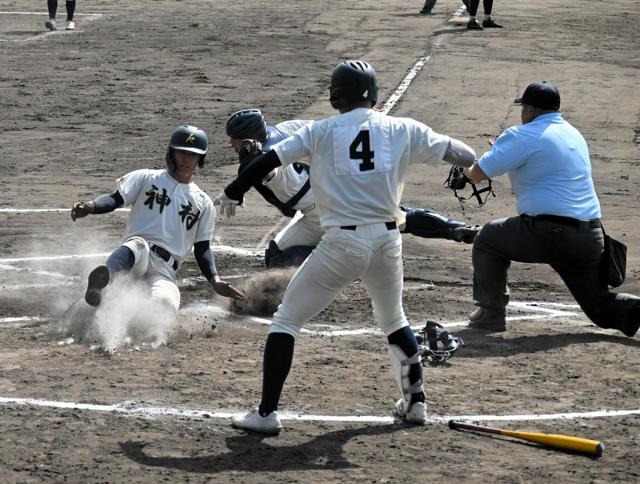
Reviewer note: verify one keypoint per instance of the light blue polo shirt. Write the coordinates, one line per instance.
(548, 163)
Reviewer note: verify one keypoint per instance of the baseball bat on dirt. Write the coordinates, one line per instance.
(564, 442)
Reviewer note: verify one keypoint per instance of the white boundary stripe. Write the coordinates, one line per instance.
(48, 210)
(129, 408)
(20, 287)
(53, 257)
(404, 84)
(89, 18)
(225, 249)
(47, 13)
(527, 306)
(18, 322)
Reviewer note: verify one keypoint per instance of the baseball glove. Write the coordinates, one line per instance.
(249, 150)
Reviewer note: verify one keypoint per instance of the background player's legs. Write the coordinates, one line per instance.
(473, 8)
(52, 7)
(488, 20)
(71, 7)
(428, 6)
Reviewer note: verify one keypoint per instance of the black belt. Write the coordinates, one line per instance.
(165, 255)
(573, 222)
(389, 225)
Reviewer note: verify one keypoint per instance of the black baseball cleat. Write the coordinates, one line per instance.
(425, 11)
(491, 320)
(491, 24)
(465, 233)
(474, 25)
(98, 280)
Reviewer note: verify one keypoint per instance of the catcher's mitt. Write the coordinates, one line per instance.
(457, 180)
(249, 150)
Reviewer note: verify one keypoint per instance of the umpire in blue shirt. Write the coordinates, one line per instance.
(558, 220)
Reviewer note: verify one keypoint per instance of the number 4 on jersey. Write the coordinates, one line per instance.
(365, 154)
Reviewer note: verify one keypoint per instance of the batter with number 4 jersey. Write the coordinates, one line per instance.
(358, 162)
(288, 189)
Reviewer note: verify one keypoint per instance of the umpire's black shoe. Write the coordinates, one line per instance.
(474, 25)
(98, 280)
(425, 11)
(491, 320)
(491, 24)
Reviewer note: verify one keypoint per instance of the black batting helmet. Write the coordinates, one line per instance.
(352, 82)
(247, 124)
(187, 138)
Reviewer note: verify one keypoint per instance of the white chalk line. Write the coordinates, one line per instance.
(47, 14)
(39, 273)
(49, 210)
(224, 249)
(536, 306)
(20, 320)
(133, 409)
(10, 260)
(89, 17)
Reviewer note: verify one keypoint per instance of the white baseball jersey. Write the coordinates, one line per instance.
(359, 161)
(288, 180)
(166, 212)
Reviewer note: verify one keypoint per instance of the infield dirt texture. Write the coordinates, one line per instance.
(79, 109)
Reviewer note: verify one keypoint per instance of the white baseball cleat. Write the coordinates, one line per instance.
(254, 421)
(51, 24)
(416, 415)
(70, 25)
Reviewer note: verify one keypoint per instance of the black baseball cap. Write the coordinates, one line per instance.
(541, 95)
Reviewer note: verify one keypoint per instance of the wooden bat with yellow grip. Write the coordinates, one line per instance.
(565, 442)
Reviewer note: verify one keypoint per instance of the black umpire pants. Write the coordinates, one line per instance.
(573, 251)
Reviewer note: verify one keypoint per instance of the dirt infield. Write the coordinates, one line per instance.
(79, 109)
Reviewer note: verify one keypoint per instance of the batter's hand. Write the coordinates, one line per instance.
(225, 289)
(227, 204)
(82, 209)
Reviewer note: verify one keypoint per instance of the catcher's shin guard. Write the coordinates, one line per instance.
(400, 366)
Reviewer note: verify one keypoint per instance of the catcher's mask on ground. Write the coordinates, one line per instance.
(436, 344)
(187, 138)
(353, 82)
(247, 124)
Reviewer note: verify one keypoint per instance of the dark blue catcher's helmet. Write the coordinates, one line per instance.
(352, 82)
(187, 138)
(247, 124)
